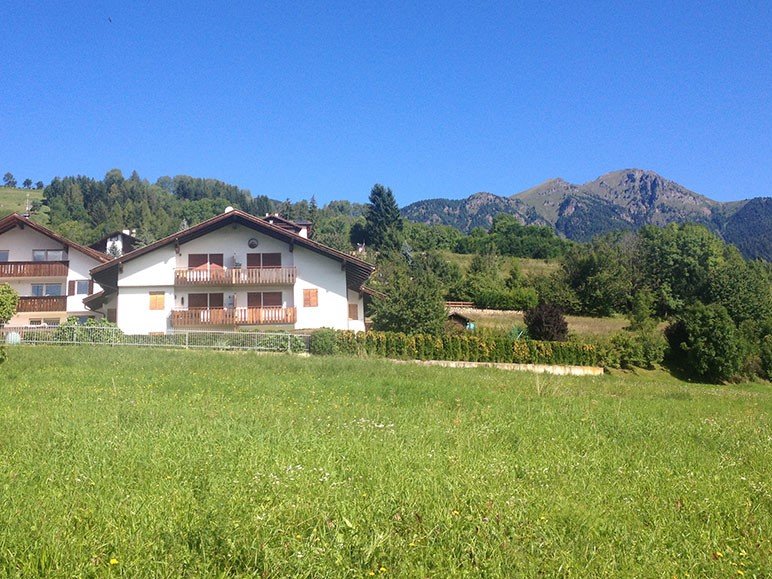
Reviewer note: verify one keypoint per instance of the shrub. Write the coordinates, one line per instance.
(3, 355)
(9, 300)
(324, 342)
(642, 349)
(546, 322)
(92, 332)
(706, 342)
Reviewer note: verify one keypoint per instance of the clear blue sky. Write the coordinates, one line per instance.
(431, 99)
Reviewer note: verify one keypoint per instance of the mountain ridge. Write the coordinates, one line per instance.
(621, 199)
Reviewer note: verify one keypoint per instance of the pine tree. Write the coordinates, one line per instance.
(383, 228)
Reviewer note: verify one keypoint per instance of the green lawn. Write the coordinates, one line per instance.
(166, 463)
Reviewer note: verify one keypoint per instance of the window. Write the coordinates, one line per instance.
(310, 298)
(48, 255)
(51, 321)
(156, 300)
(204, 301)
(205, 260)
(3, 255)
(264, 299)
(35, 322)
(255, 260)
(353, 312)
(40, 290)
(79, 287)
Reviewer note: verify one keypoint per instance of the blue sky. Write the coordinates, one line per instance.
(431, 99)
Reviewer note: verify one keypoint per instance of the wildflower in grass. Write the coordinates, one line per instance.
(113, 561)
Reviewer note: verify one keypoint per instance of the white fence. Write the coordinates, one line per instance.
(92, 335)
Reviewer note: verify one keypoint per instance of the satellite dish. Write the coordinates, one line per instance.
(228, 209)
(252, 243)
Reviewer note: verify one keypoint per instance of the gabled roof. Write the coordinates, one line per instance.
(357, 271)
(15, 220)
(125, 237)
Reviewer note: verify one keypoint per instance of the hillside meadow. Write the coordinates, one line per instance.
(15, 201)
(146, 463)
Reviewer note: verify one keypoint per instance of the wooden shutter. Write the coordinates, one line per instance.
(216, 300)
(271, 299)
(272, 260)
(216, 259)
(253, 260)
(197, 301)
(254, 300)
(310, 298)
(353, 312)
(71, 288)
(156, 300)
(196, 260)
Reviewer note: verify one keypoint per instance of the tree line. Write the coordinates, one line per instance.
(10, 181)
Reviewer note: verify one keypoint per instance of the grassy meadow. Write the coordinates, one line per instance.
(15, 201)
(130, 462)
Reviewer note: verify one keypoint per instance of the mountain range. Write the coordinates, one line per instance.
(625, 199)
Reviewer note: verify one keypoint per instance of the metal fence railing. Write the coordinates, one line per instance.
(92, 335)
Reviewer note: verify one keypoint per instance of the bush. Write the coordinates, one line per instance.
(546, 322)
(705, 341)
(9, 300)
(92, 332)
(323, 342)
(3, 355)
(520, 298)
(642, 349)
(477, 347)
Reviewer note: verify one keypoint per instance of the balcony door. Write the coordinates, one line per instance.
(205, 301)
(205, 261)
(261, 260)
(264, 299)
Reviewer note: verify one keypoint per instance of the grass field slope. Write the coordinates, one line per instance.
(157, 463)
(15, 201)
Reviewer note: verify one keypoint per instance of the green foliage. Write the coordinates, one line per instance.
(509, 237)
(519, 298)
(423, 237)
(677, 262)
(546, 322)
(383, 222)
(413, 301)
(638, 349)
(469, 347)
(743, 288)
(766, 356)
(554, 289)
(93, 331)
(323, 342)
(705, 340)
(601, 276)
(9, 301)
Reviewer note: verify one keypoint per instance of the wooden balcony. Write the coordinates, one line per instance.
(219, 276)
(42, 304)
(233, 316)
(34, 269)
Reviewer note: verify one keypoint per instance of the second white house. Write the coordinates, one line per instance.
(234, 270)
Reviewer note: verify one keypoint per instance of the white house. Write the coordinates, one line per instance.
(234, 270)
(49, 272)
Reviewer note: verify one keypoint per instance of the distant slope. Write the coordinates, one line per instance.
(15, 201)
(750, 228)
(477, 210)
(625, 199)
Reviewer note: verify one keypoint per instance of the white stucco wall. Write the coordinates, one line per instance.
(231, 240)
(319, 272)
(21, 242)
(135, 315)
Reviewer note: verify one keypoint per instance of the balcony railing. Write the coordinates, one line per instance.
(218, 276)
(232, 316)
(34, 268)
(42, 304)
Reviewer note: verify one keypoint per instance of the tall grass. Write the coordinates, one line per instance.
(166, 463)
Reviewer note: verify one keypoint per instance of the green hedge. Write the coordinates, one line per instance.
(463, 347)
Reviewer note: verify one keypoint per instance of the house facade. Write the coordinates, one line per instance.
(234, 270)
(50, 273)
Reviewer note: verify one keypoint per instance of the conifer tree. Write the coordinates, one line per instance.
(383, 227)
